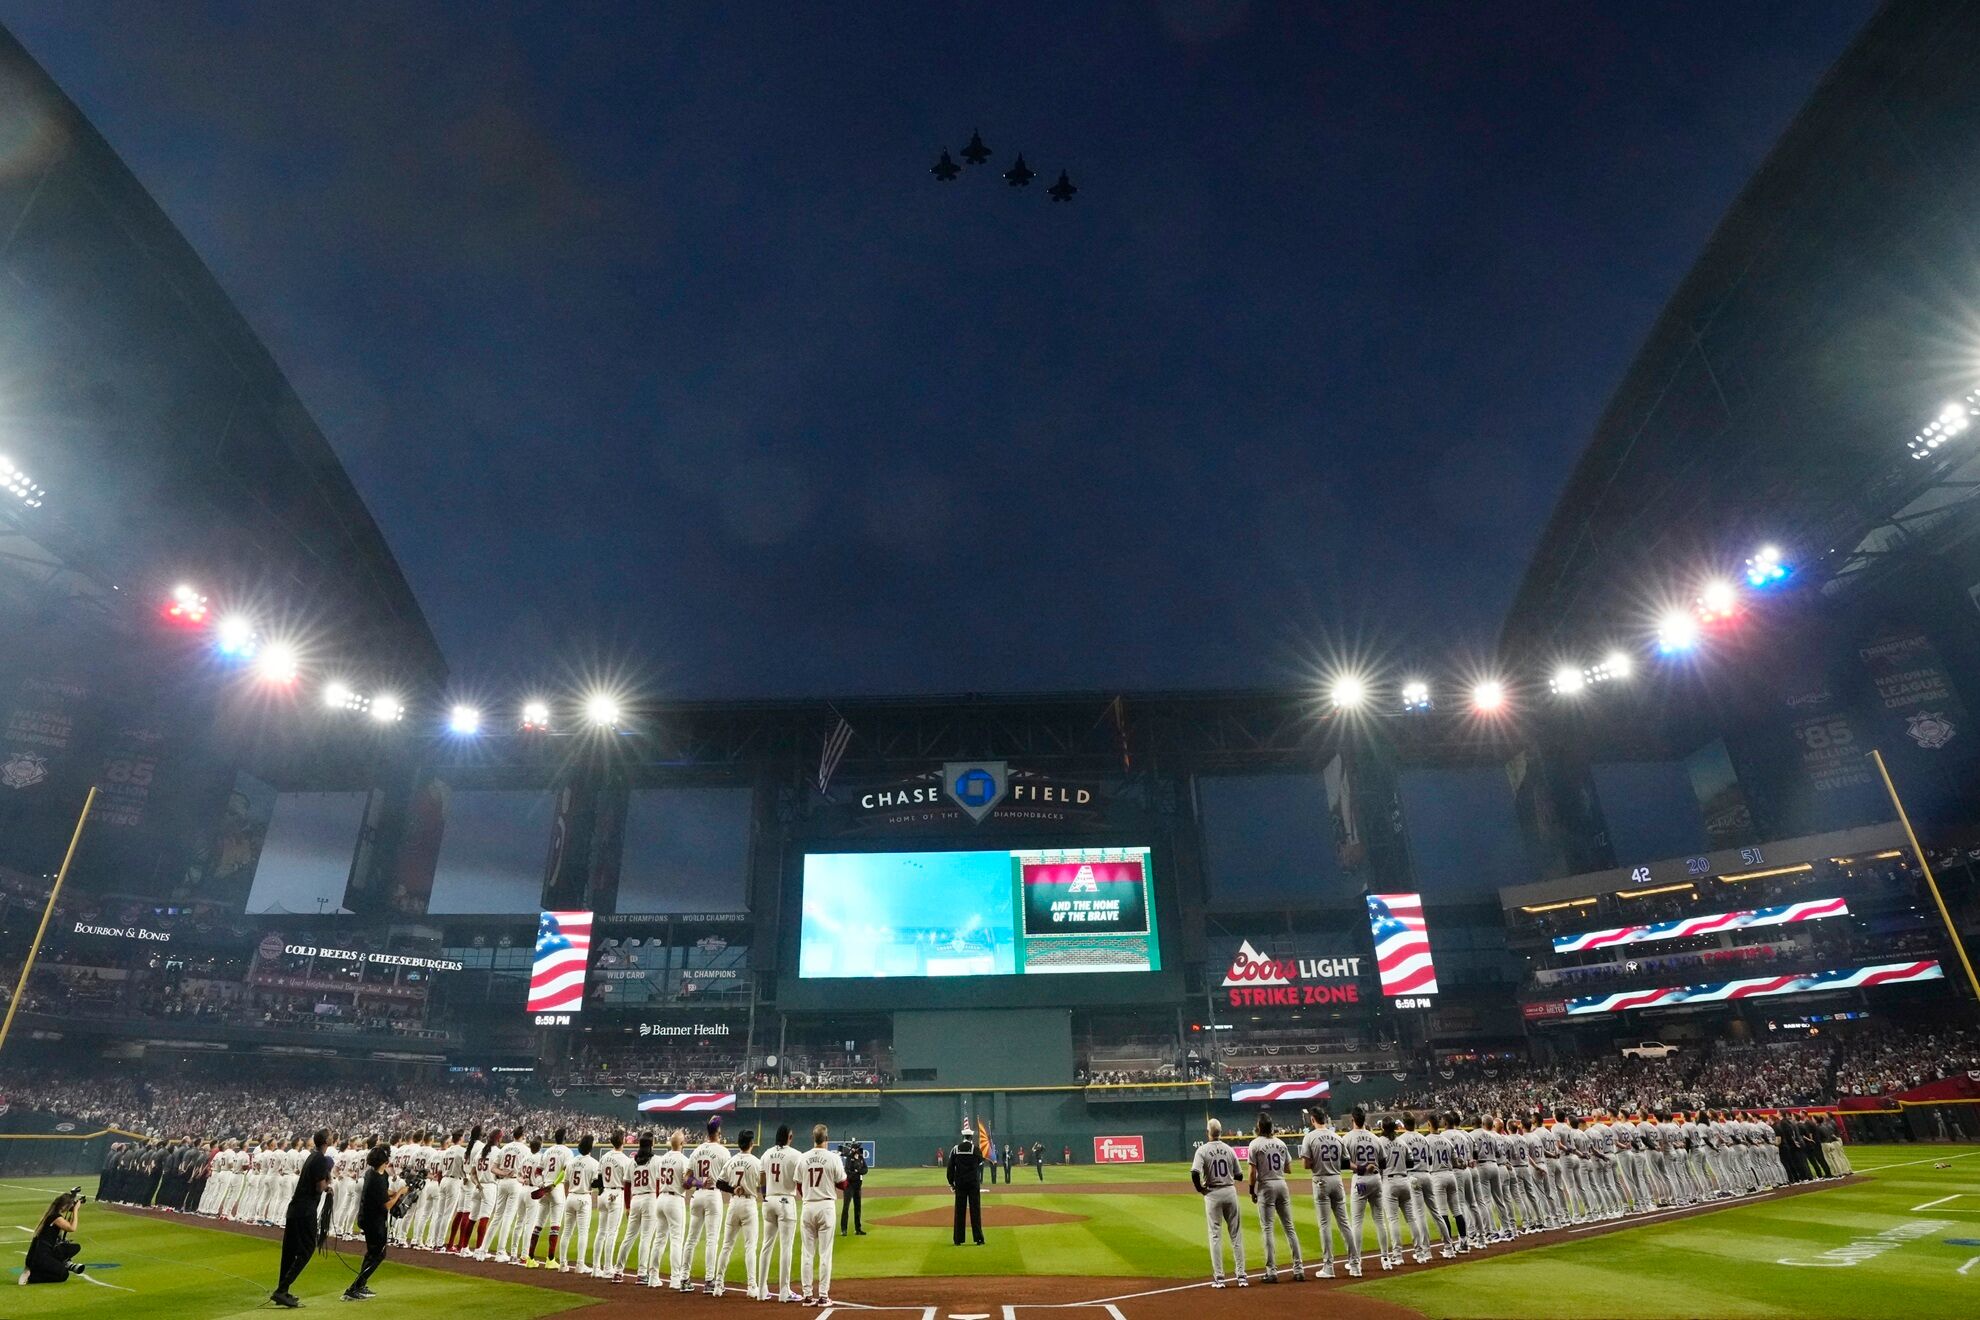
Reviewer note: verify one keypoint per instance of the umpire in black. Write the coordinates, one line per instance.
(966, 1178)
(854, 1155)
(307, 1227)
(374, 1217)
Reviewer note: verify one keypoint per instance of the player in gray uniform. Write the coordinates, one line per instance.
(1270, 1161)
(1408, 1187)
(1580, 1149)
(1628, 1175)
(1366, 1155)
(1215, 1173)
(1464, 1167)
(1324, 1153)
(1444, 1205)
(1522, 1182)
(1608, 1178)
(1553, 1168)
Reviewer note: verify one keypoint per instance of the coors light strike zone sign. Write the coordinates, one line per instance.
(1256, 981)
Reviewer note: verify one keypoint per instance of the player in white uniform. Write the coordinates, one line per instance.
(567, 1236)
(670, 1179)
(706, 1165)
(821, 1176)
(437, 1222)
(477, 1190)
(1270, 1161)
(1324, 1153)
(506, 1205)
(614, 1188)
(642, 1209)
(744, 1179)
(780, 1216)
(553, 1168)
(1216, 1172)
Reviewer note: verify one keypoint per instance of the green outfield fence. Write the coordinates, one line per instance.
(34, 1144)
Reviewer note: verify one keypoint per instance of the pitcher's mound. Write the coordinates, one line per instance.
(994, 1216)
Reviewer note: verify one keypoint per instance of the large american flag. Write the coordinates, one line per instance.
(1265, 1093)
(1402, 944)
(687, 1102)
(556, 980)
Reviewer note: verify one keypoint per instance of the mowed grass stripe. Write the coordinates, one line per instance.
(176, 1268)
(1727, 1263)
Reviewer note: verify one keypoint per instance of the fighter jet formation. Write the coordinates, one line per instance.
(1019, 175)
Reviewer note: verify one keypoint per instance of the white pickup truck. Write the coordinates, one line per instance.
(1649, 1049)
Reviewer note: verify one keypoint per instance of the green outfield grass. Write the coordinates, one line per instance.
(183, 1270)
(1727, 1265)
(1723, 1264)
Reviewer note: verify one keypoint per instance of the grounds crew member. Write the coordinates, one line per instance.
(1215, 1174)
(855, 1161)
(966, 1180)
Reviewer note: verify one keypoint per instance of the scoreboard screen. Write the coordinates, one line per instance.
(1008, 912)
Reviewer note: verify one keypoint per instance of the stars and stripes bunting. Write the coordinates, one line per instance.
(1801, 983)
(563, 946)
(1266, 1093)
(687, 1102)
(1402, 944)
(836, 743)
(1814, 909)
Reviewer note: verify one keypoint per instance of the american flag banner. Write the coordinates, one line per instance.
(687, 1102)
(563, 945)
(1402, 944)
(1266, 1093)
(836, 743)
(1804, 983)
(1685, 927)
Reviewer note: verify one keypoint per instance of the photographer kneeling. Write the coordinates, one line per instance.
(50, 1254)
(375, 1205)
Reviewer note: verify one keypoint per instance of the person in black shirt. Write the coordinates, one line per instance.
(374, 1216)
(1038, 1159)
(966, 1178)
(1006, 1153)
(307, 1226)
(854, 1155)
(50, 1253)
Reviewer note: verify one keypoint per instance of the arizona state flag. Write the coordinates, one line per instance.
(983, 1138)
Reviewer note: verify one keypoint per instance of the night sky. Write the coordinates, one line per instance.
(652, 344)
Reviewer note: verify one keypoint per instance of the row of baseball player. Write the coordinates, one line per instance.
(625, 1209)
(1475, 1184)
(252, 1183)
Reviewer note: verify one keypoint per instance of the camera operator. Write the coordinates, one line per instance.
(307, 1227)
(50, 1253)
(375, 1204)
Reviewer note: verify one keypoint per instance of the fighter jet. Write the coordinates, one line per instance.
(1063, 190)
(975, 153)
(945, 170)
(1020, 175)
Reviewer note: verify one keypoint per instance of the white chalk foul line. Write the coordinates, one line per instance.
(1902, 1164)
(1941, 1201)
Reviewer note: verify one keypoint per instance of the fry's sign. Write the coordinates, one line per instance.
(1256, 981)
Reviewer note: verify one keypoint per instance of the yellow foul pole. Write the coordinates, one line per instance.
(1931, 881)
(34, 950)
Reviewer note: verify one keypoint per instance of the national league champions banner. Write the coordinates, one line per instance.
(1402, 944)
(556, 979)
(1266, 1093)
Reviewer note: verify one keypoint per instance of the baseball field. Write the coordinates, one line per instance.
(1903, 1240)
